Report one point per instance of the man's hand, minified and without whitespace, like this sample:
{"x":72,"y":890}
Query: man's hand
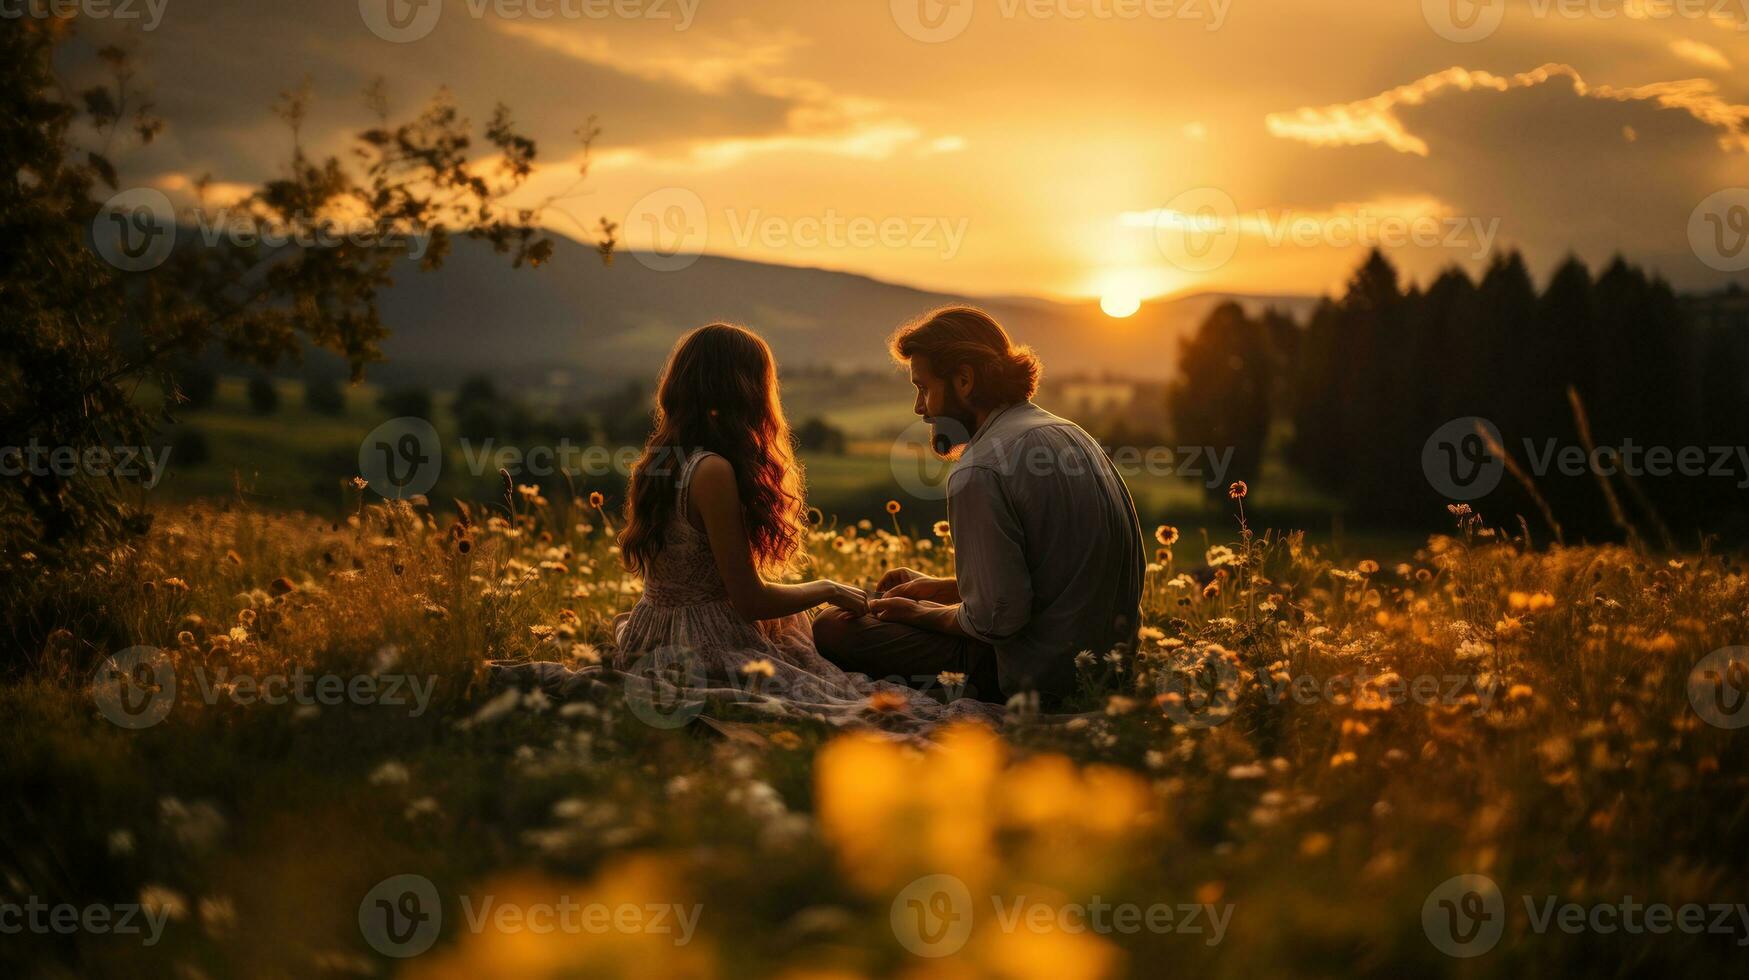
{"x":897,"y":577}
{"x":905,"y":583}
{"x":922,"y":614}
{"x":899,"y":609}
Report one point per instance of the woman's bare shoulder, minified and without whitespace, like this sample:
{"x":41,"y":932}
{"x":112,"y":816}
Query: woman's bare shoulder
{"x":713,"y":475}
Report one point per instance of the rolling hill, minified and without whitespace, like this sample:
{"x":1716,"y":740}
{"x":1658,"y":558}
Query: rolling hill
{"x":580,"y":319}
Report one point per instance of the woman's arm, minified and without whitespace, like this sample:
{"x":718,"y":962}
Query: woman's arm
{"x":717,"y":500}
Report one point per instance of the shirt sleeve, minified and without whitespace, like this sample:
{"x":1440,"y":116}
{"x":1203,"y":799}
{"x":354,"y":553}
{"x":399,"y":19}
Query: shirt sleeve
{"x":990,"y":557}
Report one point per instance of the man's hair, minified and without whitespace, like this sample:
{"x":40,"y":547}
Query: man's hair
{"x":953,"y":336}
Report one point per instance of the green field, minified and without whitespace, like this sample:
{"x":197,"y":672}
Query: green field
{"x":298,"y":459}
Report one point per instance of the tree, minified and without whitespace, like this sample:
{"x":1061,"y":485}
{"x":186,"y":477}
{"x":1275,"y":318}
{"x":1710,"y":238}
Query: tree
{"x":324,"y":396}
{"x":263,"y":396}
{"x":816,"y":435}
{"x":197,"y":385}
{"x":1222,"y":399}
{"x":85,"y":333}
{"x":478,"y":409}
{"x":409,"y":400}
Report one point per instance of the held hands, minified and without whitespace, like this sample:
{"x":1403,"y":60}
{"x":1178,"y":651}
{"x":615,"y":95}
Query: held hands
{"x":846,"y":597}
{"x":899,"y":609}
{"x":906,"y":583}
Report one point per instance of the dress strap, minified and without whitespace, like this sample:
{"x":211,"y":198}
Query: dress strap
{"x":683,"y":503}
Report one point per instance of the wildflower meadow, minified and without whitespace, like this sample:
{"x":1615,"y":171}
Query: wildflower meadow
{"x":1482,"y":755}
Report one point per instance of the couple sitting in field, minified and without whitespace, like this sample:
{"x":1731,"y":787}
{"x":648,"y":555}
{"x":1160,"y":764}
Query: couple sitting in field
{"x":1047,"y":550}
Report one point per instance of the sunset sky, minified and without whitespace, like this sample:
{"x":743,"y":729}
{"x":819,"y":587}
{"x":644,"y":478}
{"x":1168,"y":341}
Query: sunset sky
{"x":1030,"y":150}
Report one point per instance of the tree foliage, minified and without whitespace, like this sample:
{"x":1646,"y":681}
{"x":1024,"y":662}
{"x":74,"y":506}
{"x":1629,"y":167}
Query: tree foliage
{"x":299,"y":264}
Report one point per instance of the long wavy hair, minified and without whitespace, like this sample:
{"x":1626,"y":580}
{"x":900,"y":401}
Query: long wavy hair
{"x":718,"y":392}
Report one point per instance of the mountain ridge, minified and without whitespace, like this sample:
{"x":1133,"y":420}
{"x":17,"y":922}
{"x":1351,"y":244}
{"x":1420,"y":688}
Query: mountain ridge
{"x":595,"y":322}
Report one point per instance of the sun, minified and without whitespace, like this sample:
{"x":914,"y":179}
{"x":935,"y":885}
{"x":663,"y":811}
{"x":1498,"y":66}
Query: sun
{"x":1119,"y":305}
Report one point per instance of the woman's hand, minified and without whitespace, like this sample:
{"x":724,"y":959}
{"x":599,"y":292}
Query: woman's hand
{"x":846,"y":597}
{"x":897,"y":609}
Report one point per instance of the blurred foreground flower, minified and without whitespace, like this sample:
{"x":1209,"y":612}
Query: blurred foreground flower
{"x":627,"y":941}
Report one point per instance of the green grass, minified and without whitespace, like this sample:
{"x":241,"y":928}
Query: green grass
{"x":1568,"y":763}
{"x":295,"y":459}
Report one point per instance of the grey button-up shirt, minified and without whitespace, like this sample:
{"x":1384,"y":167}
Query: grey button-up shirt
{"x":1047,"y":548}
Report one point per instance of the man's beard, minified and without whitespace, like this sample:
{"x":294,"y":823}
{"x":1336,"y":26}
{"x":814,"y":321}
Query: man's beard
{"x":952,"y":429}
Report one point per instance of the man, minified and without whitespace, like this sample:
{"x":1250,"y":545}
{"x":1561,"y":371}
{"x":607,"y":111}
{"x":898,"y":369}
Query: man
{"x":1047,"y":548}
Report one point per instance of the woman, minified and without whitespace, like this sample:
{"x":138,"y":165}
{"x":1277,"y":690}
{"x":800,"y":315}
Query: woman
{"x":715,"y":505}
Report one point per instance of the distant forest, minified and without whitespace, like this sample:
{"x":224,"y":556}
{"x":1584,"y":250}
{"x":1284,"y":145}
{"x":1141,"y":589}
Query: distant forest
{"x":1607,"y":361}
